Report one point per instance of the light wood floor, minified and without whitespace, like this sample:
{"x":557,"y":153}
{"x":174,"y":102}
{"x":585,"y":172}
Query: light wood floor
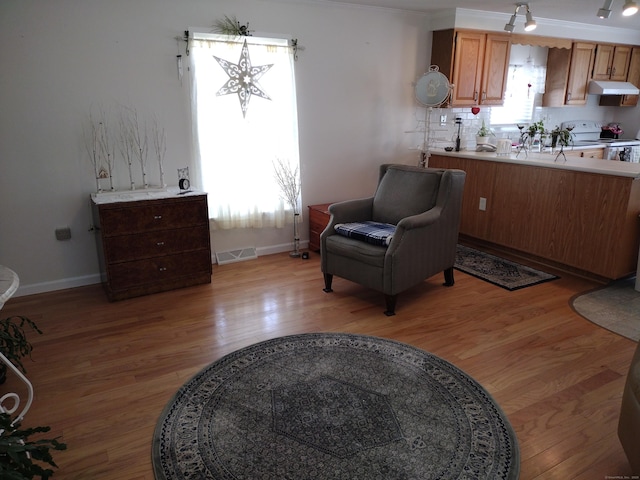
{"x":103,"y":371}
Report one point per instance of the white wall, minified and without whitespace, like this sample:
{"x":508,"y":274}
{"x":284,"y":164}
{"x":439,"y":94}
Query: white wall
{"x":62,"y":58}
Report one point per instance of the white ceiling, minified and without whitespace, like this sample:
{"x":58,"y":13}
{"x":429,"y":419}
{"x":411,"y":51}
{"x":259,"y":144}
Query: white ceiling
{"x":579,"y":11}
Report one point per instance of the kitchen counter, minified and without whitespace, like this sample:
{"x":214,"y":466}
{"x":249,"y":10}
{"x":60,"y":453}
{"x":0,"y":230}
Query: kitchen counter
{"x":575,"y":163}
{"x":580,"y":215}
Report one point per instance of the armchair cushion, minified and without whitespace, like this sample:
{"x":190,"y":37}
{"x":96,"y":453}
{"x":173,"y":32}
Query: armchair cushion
{"x":375,"y":233}
{"x":418,"y":193}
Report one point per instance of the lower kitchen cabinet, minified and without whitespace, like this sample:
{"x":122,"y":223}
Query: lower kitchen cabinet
{"x":152,"y":245}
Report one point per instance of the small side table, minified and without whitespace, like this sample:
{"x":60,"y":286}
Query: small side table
{"x":318,"y":220}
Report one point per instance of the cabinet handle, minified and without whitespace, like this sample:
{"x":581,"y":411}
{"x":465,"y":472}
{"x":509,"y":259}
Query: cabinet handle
{"x":484,"y":96}
{"x":613,"y":71}
{"x":568,"y":95}
{"x":475,"y":96}
{"x":159,"y":244}
{"x":157,"y":217}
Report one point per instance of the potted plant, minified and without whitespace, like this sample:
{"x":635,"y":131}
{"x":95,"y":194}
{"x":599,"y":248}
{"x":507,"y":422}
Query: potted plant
{"x":13,"y":342}
{"x":482,"y":136}
{"x":560,"y":137}
{"x":536,"y":132}
{"x":18,"y":455}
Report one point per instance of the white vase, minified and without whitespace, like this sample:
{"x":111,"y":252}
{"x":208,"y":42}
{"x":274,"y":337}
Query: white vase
{"x":481,"y":140}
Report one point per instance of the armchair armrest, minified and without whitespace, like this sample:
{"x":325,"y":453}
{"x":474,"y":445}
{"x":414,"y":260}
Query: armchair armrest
{"x":348,"y":211}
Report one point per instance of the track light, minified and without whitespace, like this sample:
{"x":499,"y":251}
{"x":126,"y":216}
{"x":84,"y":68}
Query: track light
{"x":605,"y":11}
{"x":511,"y":25}
{"x":530,"y":23}
{"x":629,"y":8}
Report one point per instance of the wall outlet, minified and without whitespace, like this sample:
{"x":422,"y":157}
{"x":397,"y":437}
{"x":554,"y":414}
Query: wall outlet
{"x":63,"y":233}
{"x":443,"y":120}
{"x":483,"y":204}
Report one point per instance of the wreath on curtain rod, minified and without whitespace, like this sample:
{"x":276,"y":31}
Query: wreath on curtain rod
{"x":231,"y":26}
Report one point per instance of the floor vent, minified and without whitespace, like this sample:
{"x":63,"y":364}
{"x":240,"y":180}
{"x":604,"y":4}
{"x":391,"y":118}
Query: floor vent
{"x":233,"y":256}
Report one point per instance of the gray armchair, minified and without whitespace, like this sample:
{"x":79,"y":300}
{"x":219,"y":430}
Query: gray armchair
{"x":425,"y":205}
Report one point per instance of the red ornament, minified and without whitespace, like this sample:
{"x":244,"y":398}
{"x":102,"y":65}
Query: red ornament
{"x":475,"y":110}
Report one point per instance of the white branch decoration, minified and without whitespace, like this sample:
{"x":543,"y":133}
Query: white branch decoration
{"x":138,"y":139}
{"x":288,"y":180}
{"x":160,"y":147}
{"x":125,"y":146}
{"x":132,"y":142}
{"x":100,"y":149}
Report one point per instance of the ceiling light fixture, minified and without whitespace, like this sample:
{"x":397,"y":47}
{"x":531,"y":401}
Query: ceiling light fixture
{"x":529,"y":25}
{"x":605,"y":11}
{"x":511,"y":25}
{"x":630,"y":7}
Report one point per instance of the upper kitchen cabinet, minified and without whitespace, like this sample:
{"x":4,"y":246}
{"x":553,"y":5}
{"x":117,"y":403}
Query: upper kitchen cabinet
{"x":612,"y":62}
{"x":475,"y":62}
{"x":633,"y":76}
{"x":568,"y":75}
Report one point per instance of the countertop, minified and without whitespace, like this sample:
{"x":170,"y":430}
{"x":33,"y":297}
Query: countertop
{"x":580,"y":164}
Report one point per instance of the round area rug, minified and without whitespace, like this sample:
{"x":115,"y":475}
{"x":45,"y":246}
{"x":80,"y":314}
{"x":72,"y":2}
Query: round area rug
{"x":333,"y":406}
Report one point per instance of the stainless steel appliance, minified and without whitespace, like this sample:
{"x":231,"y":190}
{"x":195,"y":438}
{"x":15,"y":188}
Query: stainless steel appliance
{"x":588,"y":132}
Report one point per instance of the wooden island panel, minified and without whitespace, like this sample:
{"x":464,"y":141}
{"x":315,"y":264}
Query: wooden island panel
{"x":583,"y":220}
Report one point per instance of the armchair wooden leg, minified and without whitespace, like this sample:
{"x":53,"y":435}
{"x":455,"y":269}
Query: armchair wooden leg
{"x":328,"y":278}
{"x":390,"y":301}
{"x":448,"y":277}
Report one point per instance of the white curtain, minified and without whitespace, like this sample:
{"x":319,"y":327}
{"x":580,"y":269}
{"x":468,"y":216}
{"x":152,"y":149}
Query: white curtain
{"x":235,"y":150}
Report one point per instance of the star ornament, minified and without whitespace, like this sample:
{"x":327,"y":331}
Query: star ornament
{"x":243,"y":79}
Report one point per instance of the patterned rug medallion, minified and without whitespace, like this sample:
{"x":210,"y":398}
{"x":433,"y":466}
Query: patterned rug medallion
{"x":499,"y":271}
{"x":333,"y":406}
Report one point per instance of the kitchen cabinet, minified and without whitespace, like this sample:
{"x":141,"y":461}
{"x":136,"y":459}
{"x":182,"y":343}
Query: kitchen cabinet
{"x":585,"y":222}
{"x":475,"y":62}
{"x":633,"y":76}
{"x":611,"y":62}
{"x":586,"y":153}
{"x":568,"y":75}
{"x":152,"y":245}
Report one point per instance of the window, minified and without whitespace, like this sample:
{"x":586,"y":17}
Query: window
{"x":523,"y":83}
{"x":243,"y":126}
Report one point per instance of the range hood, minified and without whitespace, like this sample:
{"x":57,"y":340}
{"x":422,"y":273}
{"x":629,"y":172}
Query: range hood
{"x":599,"y":87}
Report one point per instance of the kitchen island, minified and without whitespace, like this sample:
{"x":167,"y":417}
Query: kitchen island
{"x":580,"y":214}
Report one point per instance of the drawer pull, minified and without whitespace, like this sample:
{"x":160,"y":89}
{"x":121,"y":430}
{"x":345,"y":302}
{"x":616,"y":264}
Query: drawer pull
{"x":157,"y":217}
{"x":160,"y":244}
{"x":163,"y":269}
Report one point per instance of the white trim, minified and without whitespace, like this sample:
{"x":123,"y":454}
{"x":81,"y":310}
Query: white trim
{"x":61,"y":284}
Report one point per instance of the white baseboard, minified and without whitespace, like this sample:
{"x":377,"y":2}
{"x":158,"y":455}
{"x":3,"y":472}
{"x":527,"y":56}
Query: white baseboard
{"x":57,"y":285}
{"x":73,"y":282}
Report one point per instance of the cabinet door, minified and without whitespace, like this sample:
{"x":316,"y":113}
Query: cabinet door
{"x":620,"y":63}
{"x":555,"y":91}
{"x":603,"y":61}
{"x":582,"y":57}
{"x":496,"y":62}
{"x":467,"y":68}
{"x":633,"y":76}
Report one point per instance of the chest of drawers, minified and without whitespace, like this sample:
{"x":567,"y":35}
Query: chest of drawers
{"x":152,"y":245}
